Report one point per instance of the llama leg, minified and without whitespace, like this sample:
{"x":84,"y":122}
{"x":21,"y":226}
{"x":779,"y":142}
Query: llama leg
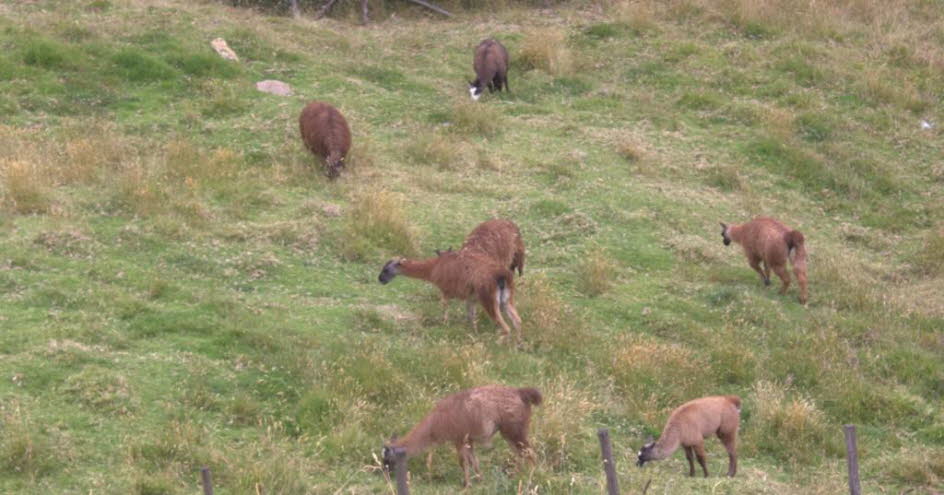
{"x":729,"y":444}
{"x":470,"y":312}
{"x":445,"y":306}
{"x":690,"y":455}
{"x":490,"y":303}
{"x":781,"y":272}
{"x":755,"y":264}
{"x":766,"y":274}
{"x":462,"y":451}
{"x":517,"y":436}
{"x":700,"y":455}
{"x":800,"y":273}
{"x":475,"y":461}
{"x":512,"y":313}
{"x":429,"y":461}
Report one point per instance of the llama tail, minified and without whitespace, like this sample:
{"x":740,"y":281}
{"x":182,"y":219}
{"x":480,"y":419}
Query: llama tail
{"x":504,"y":289}
{"x":797,"y":250}
{"x":518,"y":262}
{"x":531,"y":396}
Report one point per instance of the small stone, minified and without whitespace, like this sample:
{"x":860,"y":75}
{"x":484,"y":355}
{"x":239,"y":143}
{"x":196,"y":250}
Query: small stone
{"x":275,"y":87}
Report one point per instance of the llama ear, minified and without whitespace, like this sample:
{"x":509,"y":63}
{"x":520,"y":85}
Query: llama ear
{"x":723,"y":226}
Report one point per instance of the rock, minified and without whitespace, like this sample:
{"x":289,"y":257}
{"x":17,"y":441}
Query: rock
{"x":219,"y":44}
{"x":275,"y":87}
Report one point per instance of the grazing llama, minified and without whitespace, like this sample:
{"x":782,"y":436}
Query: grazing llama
{"x":491,"y":68}
{"x":690,"y":424}
{"x":464,"y":275}
{"x":773,"y":243}
{"x":326,"y":134}
{"x":499,"y":239}
{"x":471,"y":416}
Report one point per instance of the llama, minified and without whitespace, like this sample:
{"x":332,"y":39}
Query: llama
{"x":470,"y":416}
{"x":464,"y":275}
{"x":771,"y":242}
{"x":491,"y":68}
{"x":688,"y":426}
{"x":499,"y":239}
{"x":326,"y":134}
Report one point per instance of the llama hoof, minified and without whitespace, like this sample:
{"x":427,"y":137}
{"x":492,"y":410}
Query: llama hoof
{"x":766,"y":282}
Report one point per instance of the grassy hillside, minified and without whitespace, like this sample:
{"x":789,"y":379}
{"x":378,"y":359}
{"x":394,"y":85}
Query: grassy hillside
{"x":178,"y":290}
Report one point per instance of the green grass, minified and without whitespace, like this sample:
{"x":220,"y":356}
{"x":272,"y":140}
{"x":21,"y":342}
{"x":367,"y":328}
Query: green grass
{"x":180,"y":285}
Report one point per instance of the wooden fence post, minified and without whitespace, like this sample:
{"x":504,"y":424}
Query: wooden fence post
{"x":399,"y":456}
{"x":852,"y":459}
{"x":207,"y":482}
{"x":612,"y":487}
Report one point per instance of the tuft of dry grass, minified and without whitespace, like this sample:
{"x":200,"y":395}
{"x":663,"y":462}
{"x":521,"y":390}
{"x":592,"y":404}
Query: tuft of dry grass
{"x":433,"y":149}
{"x":560,"y":426}
{"x":791,"y":429}
{"x":25,"y":187}
{"x":378,"y":221}
{"x":930,"y":257}
{"x":639,"y":16}
{"x":596,"y":273}
{"x":653,"y":373}
{"x":546,"y":49}
{"x":475,"y":118}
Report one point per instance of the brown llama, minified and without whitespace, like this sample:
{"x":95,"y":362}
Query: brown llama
{"x":470,"y":416}
{"x":690,"y":424}
{"x":491,"y":68}
{"x":499,"y":239}
{"x":326,"y":134}
{"x":464,"y":275}
{"x":773,"y":243}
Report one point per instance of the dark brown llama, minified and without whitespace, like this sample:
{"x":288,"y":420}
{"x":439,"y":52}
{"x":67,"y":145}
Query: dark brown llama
{"x":690,"y":424}
{"x":471,"y":416}
{"x":464,"y":275}
{"x":773,"y":243}
{"x":499,"y":239}
{"x":491,"y":68}
{"x":326,"y":134}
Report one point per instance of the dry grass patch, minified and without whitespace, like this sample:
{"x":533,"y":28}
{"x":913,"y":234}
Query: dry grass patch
{"x":654,"y":373}
{"x":433,"y":150}
{"x":931,"y":256}
{"x":469,"y":117}
{"x":596,"y":273}
{"x":378,"y":221}
{"x":546,"y":49}
{"x":560,"y":426}
{"x":792,"y":429}
{"x":25,"y":187}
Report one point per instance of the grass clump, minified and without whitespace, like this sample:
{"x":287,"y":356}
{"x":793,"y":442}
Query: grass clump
{"x":433,"y":150}
{"x":596,"y":273}
{"x":471,"y":118}
{"x":138,"y":66}
{"x":378,"y":222}
{"x":546,"y":49}
{"x":25,"y":187}
{"x":793,"y":430}
{"x":931,"y":256}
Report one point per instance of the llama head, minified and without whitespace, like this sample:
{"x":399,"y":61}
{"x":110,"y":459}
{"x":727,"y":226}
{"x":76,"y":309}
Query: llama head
{"x":475,"y":89}
{"x":647,"y":453}
{"x":724,"y":234}
{"x":335,"y":163}
{"x":389,"y":458}
{"x":390,"y":270}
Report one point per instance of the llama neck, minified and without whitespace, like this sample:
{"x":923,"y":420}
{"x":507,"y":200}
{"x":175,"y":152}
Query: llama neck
{"x":736,"y":233}
{"x":421,"y":269}
{"x":668,"y":442}
{"x":416,"y":441}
